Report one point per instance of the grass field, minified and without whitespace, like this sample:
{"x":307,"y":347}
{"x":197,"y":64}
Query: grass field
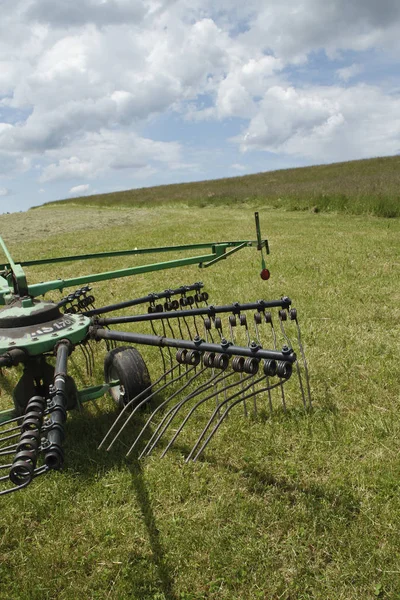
{"x":356,"y":187}
{"x":293,"y":506}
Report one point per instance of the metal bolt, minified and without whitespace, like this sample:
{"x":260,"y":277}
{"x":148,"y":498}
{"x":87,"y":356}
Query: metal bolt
{"x":197,"y":340}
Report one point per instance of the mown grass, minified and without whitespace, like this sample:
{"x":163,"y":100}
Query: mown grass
{"x":357,"y":187}
{"x":297,"y":506}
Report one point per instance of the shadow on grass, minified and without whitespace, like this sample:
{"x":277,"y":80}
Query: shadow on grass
{"x":84,"y":433}
{"x":143,"y":498}
{"x":86,"y":430}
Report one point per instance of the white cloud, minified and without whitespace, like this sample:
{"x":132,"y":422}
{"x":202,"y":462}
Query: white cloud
{"x":79,"y":190}
{"x":98,"y":152}
{"x":5,"y":192}
{"x":346,"y":73}
{"x":325,"y":123}
{"x":81,"y":80}
{"x":66,"y":13}
{"x":239,"y":167}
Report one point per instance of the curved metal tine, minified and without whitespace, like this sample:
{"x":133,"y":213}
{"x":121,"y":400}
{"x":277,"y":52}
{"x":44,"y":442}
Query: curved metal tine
{"x":129,"y":404}
{"x":231,"y":332}
{"x":219,"y":331}
{"x":246,"y":414}
{"x":217,"y":425}
{"x":275,"y":347}
{"x":247,"y":336}
{"x":173,"y":335}
{"x":188,"y":382}
{"x":6,"y":466}
{"x":195,"y":325}
{"x":297,"y":364}
{"x":179,"y":327}
{"x":17,"y":427}
{"x":10,"y":437}
{"x":192,"y":411}
{"x":176,"y":408}
{"x":285,"y":335}
{"x":187,"y":326}
{"x":258,"y":337}
{"x":146,"y":400}
{"x":301,"y":348}
{"x":247,"y":332}
{"x":91,"y":358}
{"x":240,"y":392}
{"x":9,"y":450}
{"x":188,"y":330}
{"x":81,"y":346}
{"x":143,"y":402}
{"x":171,"y":362}
{"x":36,"y":473}
{"x":12,"y":420}
{"x":161,"y":351}
{"x":15,"y":488}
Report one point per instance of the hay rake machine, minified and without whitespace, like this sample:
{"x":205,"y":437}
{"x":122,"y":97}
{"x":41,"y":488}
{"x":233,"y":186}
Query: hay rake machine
{"x":214,"y":358}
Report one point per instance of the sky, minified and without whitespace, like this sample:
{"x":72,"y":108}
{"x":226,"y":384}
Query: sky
{"x":105,"y":95}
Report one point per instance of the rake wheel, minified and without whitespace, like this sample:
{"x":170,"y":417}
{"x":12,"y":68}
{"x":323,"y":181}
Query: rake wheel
{"x":127,"y":365}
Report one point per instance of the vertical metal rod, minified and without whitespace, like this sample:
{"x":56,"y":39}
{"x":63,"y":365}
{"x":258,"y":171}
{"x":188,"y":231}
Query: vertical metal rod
{"x":185,"y":420}
{"x":275,"y":347}
{"x":172,"y":412}
{"x":221,"y":419}
{"x":304,"y":362}
{"x":258,"y":337}
{"x":202,"y":434}
{"x":297,"y":364}
{"x":139,"y":405}
{"x":189,"y":381}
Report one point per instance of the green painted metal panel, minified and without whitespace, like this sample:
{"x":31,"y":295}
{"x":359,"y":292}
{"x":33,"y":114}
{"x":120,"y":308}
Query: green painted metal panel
{"x":38,"y":289}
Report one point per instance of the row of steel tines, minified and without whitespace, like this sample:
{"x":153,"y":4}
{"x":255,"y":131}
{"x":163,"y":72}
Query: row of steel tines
{"x":78,"y":301}
{"x":185,"y":301}
{"x":240,"y":364}
{"x":260,"y":317}
{"x":255,"y":377}
{"x":247,"y":367}
{"x":195,"y":392}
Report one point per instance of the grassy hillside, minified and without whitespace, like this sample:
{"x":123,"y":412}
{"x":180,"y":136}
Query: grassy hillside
{"x":357,"y":187}
{"x":289,"y":506}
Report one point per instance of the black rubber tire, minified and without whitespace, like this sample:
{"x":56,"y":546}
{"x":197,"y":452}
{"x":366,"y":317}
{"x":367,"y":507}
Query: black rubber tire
{"x":127,"y":365}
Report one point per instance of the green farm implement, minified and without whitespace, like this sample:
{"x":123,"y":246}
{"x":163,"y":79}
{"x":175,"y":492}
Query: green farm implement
{"x":213,"y":357}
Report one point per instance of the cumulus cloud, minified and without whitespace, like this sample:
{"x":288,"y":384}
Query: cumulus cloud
{"x":81,"y":80}
{"x":65,"y":13}
{"x":79,"y":190}
{"x":346,"y":73}
{"x":99,"y":152}
{"x":330,"y":123}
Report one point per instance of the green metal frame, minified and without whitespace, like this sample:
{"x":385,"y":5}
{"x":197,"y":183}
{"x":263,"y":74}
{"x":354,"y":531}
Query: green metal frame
{"x":13,"y":283}
{"x":13,"y":279}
